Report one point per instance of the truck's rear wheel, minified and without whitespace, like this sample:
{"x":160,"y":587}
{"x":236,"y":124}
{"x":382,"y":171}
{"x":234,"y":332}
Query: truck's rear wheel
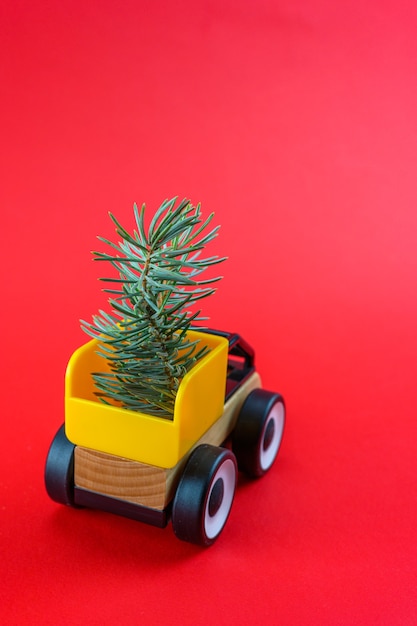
{"x":258,"y":432}
{"x":204,"y":495}
{"x":59,"y":469}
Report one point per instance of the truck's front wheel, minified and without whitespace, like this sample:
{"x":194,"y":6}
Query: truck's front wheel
{"x":258,"y":432}
{"x":205,"y":495}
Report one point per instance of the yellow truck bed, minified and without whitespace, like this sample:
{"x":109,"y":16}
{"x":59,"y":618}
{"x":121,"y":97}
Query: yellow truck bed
{"x":137,"y":436}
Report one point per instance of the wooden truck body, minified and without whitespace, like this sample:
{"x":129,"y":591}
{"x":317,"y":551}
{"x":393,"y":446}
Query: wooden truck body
{"x":151,"y":468}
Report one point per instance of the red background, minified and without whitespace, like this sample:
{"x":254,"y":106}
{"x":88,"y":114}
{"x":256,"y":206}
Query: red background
{"x":295,"y":121}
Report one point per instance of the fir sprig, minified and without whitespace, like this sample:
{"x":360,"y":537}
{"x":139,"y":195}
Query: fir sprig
{"x":144,"y":337}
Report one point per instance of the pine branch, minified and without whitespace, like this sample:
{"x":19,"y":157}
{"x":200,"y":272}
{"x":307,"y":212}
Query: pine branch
{"x":144,"y":337}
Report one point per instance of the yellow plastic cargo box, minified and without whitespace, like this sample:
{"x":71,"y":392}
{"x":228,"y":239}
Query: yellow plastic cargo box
{"x":137,"y":436}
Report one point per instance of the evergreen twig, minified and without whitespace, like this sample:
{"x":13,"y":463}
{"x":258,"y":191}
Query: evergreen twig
{"x":144,"y":338}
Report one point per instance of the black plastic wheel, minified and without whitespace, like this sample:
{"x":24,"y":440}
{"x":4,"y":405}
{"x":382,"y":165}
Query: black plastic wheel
{"x":204,"y":495}
{"x":258,"y":432}
{"x":59,"y":469}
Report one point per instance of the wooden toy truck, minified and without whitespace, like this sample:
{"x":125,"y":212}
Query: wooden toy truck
{"x":152,"y":469}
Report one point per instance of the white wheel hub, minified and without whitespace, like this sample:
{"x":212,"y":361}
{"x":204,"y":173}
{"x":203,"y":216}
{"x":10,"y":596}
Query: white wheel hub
{"x":271,"y":436}
{"x":220,"y":498}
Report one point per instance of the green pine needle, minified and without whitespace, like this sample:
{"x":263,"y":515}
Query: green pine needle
{"x":144,"y":337}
